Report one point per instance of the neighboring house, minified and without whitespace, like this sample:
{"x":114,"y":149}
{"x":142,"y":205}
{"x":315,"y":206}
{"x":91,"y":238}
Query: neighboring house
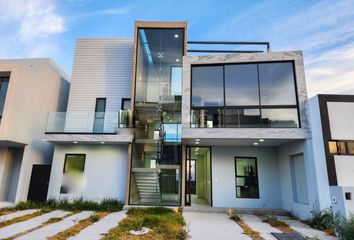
{"x":332,"y":118}
{"x":29,"y":88}
{"x":236,"y":135}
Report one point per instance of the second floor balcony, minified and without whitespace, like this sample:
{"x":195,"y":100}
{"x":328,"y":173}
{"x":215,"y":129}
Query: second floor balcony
{"x":88,"y":122}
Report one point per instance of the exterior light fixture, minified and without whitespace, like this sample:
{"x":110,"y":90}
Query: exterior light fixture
{"x":197,"y":148}
{"x":176,"y":36}
{"x":102,"y":142}
{"x":256,"y":143}
{"x":177,"y":60}
{"x":197,"y":139}
{"x":196,"y":142}
{"x":75,"y":142}
{"x":261,"y":140}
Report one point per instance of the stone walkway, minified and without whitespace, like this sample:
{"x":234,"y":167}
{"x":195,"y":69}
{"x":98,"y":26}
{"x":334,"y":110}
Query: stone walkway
{"x":17,"y":214}
{"x":204,"y":226}
{"x":96,"y":230}
{"x":55,"y":228}
{"x":256,"y":224}
{"x":305,"y":230}
{"x":20,"y":227}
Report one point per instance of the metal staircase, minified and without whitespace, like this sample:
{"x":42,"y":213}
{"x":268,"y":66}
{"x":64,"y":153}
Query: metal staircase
{"x":148,"y":184}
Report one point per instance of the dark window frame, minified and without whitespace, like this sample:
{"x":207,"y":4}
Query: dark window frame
{"x":259,"y":106}
{"x":122,"y":103}
{"x":74,"y":154}
{"x":236,"y":176}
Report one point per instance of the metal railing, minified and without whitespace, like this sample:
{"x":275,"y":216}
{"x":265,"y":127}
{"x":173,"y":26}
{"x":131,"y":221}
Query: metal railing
{"x":88,"y":122}
{"x":228,"y":43}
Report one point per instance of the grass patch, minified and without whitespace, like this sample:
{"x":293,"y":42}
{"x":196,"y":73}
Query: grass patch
{"x":106,"y":205}
{"x":79,"y":226}
{"x":22,"y":218}
{"x":274,"y":222}
{"x":53,"y":220}
{"x":246,"y":229}
{"x":165,"y":223}
{"x":7,"y":210}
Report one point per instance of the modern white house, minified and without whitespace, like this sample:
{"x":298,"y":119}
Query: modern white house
{"x":332,"y":118}
{"x":29,"y":88}
{"x":160,"y":120}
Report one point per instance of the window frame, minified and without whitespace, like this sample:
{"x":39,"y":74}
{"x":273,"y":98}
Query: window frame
{"x":259,"y":106}
{"x":122,"y":103}
{"x":236,"y":176}
{"x":74,"y":154}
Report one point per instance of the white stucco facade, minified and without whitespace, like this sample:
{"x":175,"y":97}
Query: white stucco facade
{"x":105,"y":171}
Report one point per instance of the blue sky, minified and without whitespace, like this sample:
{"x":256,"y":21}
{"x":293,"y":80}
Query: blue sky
{"x":324,"y":30}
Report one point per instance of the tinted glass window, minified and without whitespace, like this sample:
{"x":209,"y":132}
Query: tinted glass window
{"x":280,"y":118}
{"x":246,"y":178}
{"x":277,"y":84}
{"x":176,"y":81}
{"x":74,"y":162}
{"x":207,"y":118}
{"x":207,"y":86}
{"x":242,"y":118}
{"x":241,"y":85}
{"x":3,"y":90}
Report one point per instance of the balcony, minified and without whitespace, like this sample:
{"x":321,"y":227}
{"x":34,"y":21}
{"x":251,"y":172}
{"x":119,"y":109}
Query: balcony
{"x":88,"y":122}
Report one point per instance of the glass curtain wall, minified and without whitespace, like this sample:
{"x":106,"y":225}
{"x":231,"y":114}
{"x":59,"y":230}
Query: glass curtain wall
{"x":156,"y":152}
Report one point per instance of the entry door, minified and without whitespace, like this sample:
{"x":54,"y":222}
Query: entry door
{"x":38,"y":188}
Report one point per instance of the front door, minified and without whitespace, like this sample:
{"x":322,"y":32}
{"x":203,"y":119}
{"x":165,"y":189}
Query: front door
{"x":38,"y":188}
{"x":198,"y":177}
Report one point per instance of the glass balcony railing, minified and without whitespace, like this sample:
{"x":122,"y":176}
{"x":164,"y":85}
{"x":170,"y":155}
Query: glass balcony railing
{"x":88,"y":122}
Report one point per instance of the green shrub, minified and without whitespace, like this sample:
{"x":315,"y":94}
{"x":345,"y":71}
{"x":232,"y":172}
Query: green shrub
{"x":322,"y":220}
{"x":109,"y":205}
{"x":344,"y":226}
{"x":235,"y":217}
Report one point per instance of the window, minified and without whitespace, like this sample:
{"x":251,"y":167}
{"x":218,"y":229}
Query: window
{"x":277,"y":84}
{"x":4,"y":84}
{"x":125,"y":104}
{"x":176,"y":81}
{"x":246,"y":177}
{"x":207,"y":86}
{"x":298,"y":179}
{"x":74,"y":162}
{"x":341,"y":147}
{"x":241,"y":85}
{"x":242,"y":118}
{"x":280,"y":118}
{"x":244,"y":95}
{"x":99,"y":115}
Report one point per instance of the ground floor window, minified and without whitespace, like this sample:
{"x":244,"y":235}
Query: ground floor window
{"x":74,"y":162}
{"x":298,"y":179}
{"x":246,"y":177}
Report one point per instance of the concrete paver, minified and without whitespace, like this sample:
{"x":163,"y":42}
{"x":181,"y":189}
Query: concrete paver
{"x":97,"y":229}
{"x":19,"y":227}
{"x":205,"y":226}
{"x":54,"y":228}
{"x":17,"y":214}
{"x":305,"y":230}
{"x":256,"y":224}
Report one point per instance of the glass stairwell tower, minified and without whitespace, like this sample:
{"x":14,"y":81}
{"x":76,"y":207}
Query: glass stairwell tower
{"x":156,"y":153}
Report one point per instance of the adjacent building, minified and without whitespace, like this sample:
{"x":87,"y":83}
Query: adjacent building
{"x":332,"y":118}
{"x":29,"y":88}
{"x":161,"y":120}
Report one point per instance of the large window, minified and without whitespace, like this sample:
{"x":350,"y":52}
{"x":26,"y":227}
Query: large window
{"x":4,"y":84}
{"x":99,"y":115}
{"x":246,"y":177}
{"x":244,"y":96}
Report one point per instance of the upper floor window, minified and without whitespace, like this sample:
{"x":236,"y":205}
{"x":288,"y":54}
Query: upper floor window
{"x":4,"y":84}
{"x":244,"y":95}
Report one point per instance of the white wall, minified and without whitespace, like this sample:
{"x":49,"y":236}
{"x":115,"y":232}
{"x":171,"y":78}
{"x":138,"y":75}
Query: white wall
{"x":341,"y":119}
{"x":105,"y":171}
{"x":102,"y":69}
{"x":284,"y":153}
{"x":36,"y":87}
{"x":345,"y":170}
{"x":319,"y":156}
{"x":223,"y":177}
{"x":339,"y":203}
